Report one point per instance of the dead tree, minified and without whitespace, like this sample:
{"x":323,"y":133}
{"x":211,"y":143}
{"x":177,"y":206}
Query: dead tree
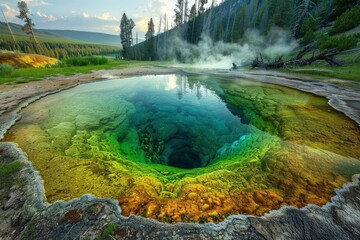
{"x":303,"y":11}
{"x":28,"y":27}
{"x":327,"y":55}
{"x":10,"y":30}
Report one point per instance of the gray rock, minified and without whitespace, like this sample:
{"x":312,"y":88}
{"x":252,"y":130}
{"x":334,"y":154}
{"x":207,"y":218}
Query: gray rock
{"x":15,"y":199}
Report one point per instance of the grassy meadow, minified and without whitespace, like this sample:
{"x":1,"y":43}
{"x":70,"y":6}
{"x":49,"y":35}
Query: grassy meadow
{"x":22,"y":75}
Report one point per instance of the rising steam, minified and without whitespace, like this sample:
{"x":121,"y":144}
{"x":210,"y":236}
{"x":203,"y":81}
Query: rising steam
{"x":209,"y":54}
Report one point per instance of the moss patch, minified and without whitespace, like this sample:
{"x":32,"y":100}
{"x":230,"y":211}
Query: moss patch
{"x":7,"y":173}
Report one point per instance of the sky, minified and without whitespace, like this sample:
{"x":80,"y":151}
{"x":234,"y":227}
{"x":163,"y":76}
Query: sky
{"x":92,"y":15}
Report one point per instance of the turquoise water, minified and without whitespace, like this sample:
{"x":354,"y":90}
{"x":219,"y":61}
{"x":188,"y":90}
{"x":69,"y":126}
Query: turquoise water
{"x":180,"y":125}
{"x":155,"y":119}
{"x":189,"y":148}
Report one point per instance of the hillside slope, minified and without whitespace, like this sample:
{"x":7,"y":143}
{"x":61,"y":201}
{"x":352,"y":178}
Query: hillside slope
{"x":318,"y":24}
{"x":67,"y":36}
{"x":20,"y":35}
{"x":57,"y":45}
{"x":100,"y":38}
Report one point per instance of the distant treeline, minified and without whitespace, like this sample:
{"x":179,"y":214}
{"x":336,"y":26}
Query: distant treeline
{"x":58,"y":49}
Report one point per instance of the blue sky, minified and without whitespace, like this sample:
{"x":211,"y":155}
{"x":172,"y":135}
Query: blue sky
{"x":91,"y":15}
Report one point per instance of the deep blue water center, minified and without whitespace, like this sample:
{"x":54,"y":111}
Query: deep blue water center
{"x":179,"y":123}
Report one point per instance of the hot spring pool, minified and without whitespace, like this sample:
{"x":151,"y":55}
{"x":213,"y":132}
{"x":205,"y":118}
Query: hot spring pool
{"x":189,"y":148}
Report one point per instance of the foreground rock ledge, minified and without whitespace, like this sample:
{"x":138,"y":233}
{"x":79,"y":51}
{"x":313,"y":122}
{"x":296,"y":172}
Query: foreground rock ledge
{"x":89,"y":217}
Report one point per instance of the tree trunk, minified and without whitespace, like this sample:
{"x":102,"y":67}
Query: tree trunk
{"x":37,"y":44}
{"x":327,"y":55}
{"x":300,"y":22}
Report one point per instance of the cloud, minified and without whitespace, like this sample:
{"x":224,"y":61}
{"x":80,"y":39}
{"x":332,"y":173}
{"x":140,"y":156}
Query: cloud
{"x":141,"y":23}
{"x":107,"y":17}
{"x":154,"y":9}
{"x":164,"y":6}
{"x":85,"y":22}
{"x":46,"y":17}
{"x":9,"y":12}
{"x":85,"y":15}
{"x":115,"y":28}
{"x":104,"y":16}
{"x":36,"y":2}
{"x":80,"y":23}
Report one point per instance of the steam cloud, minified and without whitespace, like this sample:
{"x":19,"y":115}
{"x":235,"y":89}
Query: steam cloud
{"x":209,"y":54}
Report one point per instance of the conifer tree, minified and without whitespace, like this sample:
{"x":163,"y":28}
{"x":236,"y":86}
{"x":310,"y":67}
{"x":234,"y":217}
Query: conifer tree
{"x":219,"y":33}
{"x":192,"y":14}
{"x":149,"y":43}
{"x":126,"y":27}
{"x":186,"y":11}
{"x":28,"y":27}
{"x":179,"y":12}
{"x":151,"y":30}
{"x":202,"y":6}
{"x":303,"y":11}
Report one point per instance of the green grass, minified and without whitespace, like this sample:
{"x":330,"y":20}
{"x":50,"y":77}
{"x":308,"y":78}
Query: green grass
{"x":7,"y":172}
{"x":30,"y":229}
{"x":341,"y":42}
{"x":348,"y":20}
{"x":322,"y":71}
{"x":23,"y":75}
{"x":348,"y":72}
{"x":108,"y":230}
{"x":5,"y":69}
{"x":84,"y":61}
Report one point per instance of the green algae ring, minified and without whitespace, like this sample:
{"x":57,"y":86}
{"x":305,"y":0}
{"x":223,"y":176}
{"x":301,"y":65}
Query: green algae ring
{"x":189,"y":148}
